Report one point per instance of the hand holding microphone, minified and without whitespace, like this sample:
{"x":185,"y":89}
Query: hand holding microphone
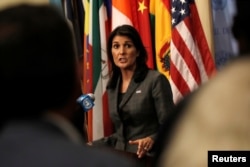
{"x":86,"y":101}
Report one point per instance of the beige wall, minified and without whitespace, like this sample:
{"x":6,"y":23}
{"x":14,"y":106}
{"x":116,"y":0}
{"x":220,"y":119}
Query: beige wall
{"x":5,"y":3}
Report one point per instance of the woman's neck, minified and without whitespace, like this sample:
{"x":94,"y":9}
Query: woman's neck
{"x":127,"y":74}
{"x":126,"y":78}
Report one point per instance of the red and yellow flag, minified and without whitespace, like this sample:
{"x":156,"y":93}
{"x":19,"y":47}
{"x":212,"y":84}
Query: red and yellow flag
{"x":161,"y":21}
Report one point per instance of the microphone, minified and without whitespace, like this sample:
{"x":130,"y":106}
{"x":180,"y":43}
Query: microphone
{"x":86,"y":101}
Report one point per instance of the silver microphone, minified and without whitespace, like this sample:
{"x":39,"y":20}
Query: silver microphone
{"x":92,"y":96}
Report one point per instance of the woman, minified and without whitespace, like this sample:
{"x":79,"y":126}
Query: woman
{"x":139,"y":98}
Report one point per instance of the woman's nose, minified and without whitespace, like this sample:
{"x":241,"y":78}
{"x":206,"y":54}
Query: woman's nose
{"x":121,"y":50}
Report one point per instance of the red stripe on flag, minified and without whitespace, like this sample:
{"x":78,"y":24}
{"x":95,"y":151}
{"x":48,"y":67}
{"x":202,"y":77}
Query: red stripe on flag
{"x":178,"y":79}
{"x":191,"y":60}
{"x":88,"y":84}
{"x":164,"y":49}
{"x":202,"y":44}
{"x":184,"y":51}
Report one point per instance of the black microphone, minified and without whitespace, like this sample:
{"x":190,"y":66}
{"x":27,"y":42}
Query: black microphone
{"x":86,"y":101}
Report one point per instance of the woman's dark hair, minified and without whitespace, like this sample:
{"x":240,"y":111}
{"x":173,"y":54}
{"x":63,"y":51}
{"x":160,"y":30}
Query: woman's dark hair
{"x":141,"y":60}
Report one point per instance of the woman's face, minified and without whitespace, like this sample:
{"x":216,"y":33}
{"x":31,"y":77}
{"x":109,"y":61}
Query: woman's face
{"x":124,"y":52}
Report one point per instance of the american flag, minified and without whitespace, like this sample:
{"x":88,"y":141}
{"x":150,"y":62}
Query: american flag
{"x":191,"y":62}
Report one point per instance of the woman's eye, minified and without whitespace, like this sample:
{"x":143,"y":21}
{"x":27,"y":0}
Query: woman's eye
{"x":127,"y":45}
{"x":115,"y":46}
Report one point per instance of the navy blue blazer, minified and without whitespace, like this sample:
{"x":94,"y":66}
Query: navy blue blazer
{"x":42,"y":144}
{"x":142,"y":110}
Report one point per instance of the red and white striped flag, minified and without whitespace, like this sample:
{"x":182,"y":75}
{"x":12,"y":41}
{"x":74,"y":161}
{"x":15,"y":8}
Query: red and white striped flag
{"x":191,"y":61}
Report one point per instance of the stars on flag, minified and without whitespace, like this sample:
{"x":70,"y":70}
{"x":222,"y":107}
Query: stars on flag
{"x":142,"y":6}
{"x":180,"y":9}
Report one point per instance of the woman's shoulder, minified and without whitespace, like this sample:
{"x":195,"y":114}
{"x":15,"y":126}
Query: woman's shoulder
{"x":154,"y":73}
{"x":149,"y":74}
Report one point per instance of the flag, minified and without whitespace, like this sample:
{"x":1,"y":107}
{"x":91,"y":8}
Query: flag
{"x":160,"y":11}
{"x":74,"y":13}
{"x":191,"y":61}
{"x":96,"y":67}
{"x":204,"y":8}
{"x":135,"y":13}
{"x":87,"y":83}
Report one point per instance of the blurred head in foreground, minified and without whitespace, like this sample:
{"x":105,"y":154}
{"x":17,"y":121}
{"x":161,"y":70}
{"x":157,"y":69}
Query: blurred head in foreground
{"x":40,"y":83}
{"x":38,"y":62}
{"x":215,"y":117}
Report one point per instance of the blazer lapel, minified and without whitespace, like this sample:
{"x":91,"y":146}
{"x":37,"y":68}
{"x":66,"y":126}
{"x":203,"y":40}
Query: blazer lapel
{"x":130,"y":91}
{"x":113,"y":96}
